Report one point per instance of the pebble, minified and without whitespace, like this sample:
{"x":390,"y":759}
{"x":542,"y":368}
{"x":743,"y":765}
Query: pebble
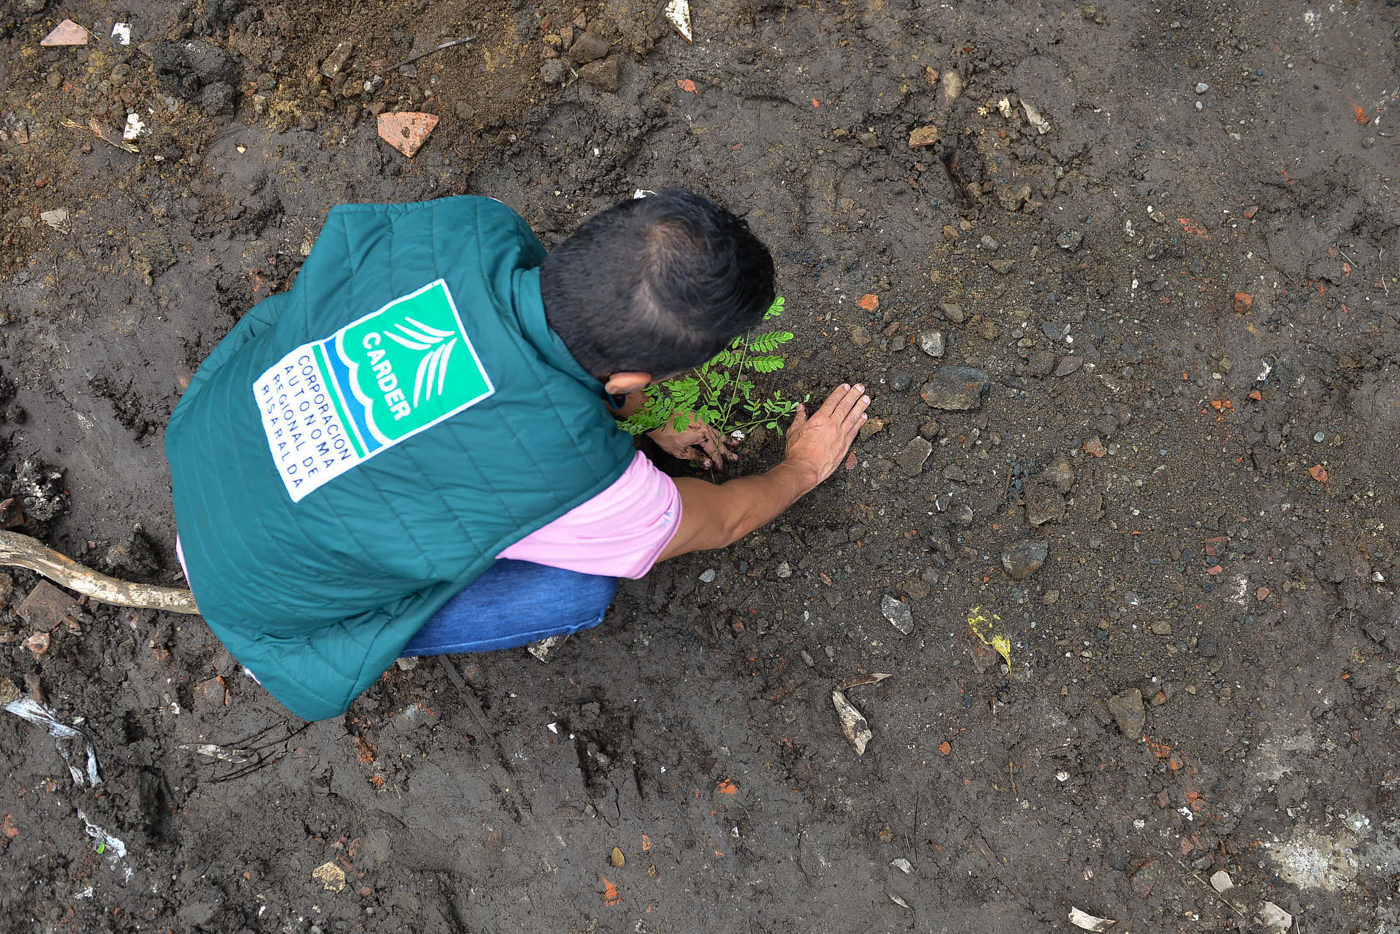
{"x":902,"y":864}
{"x":1202,"y":87}
{"x":911,"y":459}
{"x":929,"y":429}
{"x":931,"y":343}
{"x":1002,"y":266}
{"x":783,"y":570}
{"x":1221,"y":881}
{"x":708,"y":575}
{"x":859,"y":335}
{"x":1128,"y":711}
{"x":587,"y":48}
{"x":872,"y":427}
{"x":1161,"y":627}
{"x":603,"y":75}
{"x":956,"y":388}
{"x":900,"y":380}
{"x":952,"y":311}
{"x":1024,"y":558}
{"x":898,"y":613}
{"x":1319,"y":437}
{"x":963,"y":515}
{"x":554,"y":71}
{"x":989,"y":243}
{"x":1068,"y":365}
{"x":1061,"y":474}
{"x":1070,"y":240}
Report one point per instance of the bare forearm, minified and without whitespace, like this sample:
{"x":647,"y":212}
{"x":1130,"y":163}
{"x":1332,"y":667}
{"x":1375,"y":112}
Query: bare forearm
{"x":755,"y":501}
{"x":717,"y":516}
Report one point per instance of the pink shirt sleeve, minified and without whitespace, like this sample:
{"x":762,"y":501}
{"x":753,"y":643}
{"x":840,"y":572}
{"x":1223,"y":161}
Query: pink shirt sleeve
{"x":618,"y":533}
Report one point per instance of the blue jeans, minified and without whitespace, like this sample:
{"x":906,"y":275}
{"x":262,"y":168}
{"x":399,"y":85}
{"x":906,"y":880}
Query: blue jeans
{"x":515,"y":603}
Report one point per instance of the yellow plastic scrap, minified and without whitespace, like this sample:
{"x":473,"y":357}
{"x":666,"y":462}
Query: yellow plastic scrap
{"x":988,"y":629}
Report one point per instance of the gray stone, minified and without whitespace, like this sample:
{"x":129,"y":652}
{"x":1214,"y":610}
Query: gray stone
{"x":956,"y":388}
{"x":859,"y":335}
{"x":1068,"y":365}
{"x":1127,"y":709}
{"x":602,"y":75}
{"x":900,"y":380}
{"x":1060,"y":474}
{"x":1041,"y":363}
{"x":1024,"y":558}
{"x":554,"y":71}
{"x":931,"y":343}
{"x":217,"y":99}
{"x":335,"y":61}
{"x":587,"y":48}
{"x":1043,"y":503}
{"x":911,"y":459}
{"x":1002,"y":266}
{"x":1070,"y":240}
{"x":989,"y":243}
{"x":784,"y":570}
{"x":952,"y":311}
{"x":898,"y":613}
{"x":707,"y":575}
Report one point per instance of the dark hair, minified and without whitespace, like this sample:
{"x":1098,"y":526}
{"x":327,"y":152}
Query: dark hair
{"x":656,"y":285}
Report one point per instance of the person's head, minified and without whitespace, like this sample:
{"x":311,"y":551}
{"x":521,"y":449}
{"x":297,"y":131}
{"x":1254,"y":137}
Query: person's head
{"x":654,"y":286}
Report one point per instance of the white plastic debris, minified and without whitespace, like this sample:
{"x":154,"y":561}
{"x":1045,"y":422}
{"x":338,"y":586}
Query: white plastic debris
{"x":903,"y":865}
{"x":121,"y":33}
{"x":236,"y":756}
{"x":134,"y":127}
{"x":642,"y":193}
{"x":678,"y":15}
{"x":58,"y":220}
{"x":1088,"y":922}
{"x":853,"y":723}
{"x":1275,"y":918}
{"x":105,"y":844}
{"x":69,"y":739}
{"x":899,"y":901}
{"x":542,"y":648}
{"x":1033,"y":117}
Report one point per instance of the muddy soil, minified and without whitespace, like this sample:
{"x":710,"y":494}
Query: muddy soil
{"x":1167,"y":236}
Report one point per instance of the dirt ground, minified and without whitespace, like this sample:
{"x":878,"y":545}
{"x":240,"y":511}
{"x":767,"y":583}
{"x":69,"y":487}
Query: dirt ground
{"x":1168,"y":235}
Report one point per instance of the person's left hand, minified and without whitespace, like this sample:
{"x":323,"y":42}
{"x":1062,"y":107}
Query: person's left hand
{"x":697,"y":442}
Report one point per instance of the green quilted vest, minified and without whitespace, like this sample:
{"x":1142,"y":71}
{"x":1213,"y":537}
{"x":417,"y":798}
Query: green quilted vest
{"x":360,"y":448}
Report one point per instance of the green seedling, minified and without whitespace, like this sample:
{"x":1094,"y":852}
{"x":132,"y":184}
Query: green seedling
{"x":721,"y":393}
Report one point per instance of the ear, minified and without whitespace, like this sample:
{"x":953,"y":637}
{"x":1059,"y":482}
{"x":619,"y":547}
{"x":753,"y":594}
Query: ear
{"x":622,"y":384}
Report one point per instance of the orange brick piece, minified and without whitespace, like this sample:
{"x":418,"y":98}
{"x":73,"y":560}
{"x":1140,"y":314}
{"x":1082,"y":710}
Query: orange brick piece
{"x":406,"y":131}
{"x":66,"y":33}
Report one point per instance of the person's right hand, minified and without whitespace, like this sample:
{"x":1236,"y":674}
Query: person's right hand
{"x":817,"y":444}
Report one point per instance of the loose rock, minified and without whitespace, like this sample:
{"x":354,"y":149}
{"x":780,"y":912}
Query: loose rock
{"x":898,"y":613}
{"x":956,"y":388}
{"x":554,"y":71}
{"x":1024,"y":559}
{"x":1128,"y":711}
{"x":587,"y":48}
{"x":911,"y":459}
{"x":1043,"y":504}
{"x":603,"y":75}
{"x":931,"y":343}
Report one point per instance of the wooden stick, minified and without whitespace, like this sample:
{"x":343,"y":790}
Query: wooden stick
{"x":22,"y":551}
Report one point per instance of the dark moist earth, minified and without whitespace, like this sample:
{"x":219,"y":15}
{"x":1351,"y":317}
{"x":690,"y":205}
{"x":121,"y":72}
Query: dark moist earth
{"x":1167,"y":237}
